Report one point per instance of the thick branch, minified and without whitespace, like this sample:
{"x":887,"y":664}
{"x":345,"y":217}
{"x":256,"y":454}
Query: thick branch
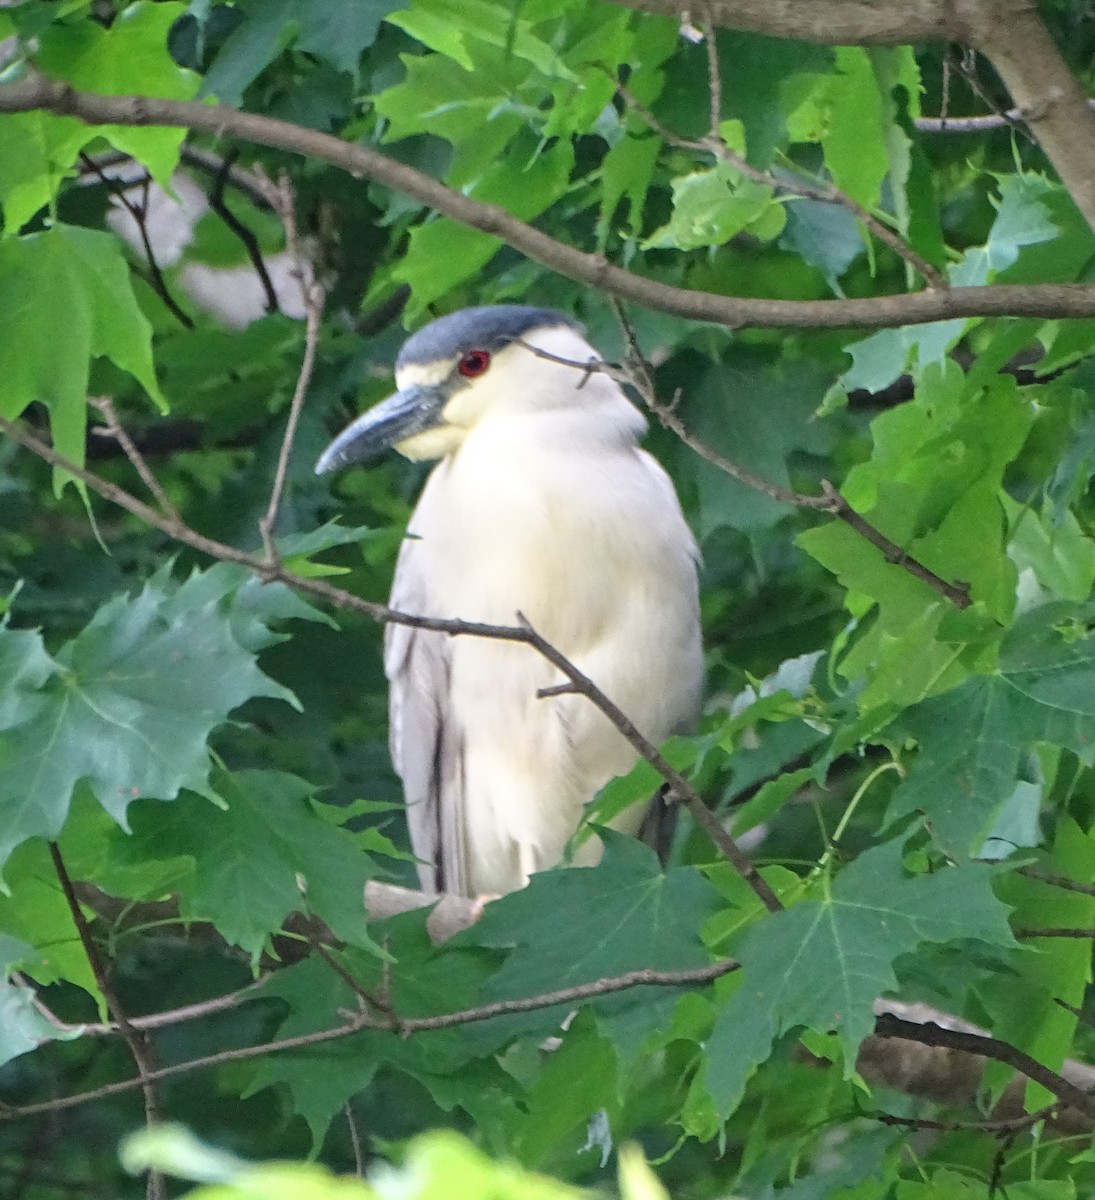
{"x":1046,"y":301}
{"x":831,"y":22}
{"x":1010,"y":33}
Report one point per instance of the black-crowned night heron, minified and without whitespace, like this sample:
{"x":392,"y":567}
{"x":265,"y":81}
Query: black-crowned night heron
{"x":542,"y":503}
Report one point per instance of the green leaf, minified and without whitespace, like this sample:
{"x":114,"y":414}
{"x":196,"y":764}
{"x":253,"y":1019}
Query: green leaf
{"x":262,"y":856}
{"x":1023,"y":219}
{"x":855,"y":127}
{"x":36,"y":911}
{"x":439,"y":97}
{"x":578,"y":1080}
{"x":128,"y":57}
{"x":335,"y":30}
{"x":823,"y":963}
{"x":129,"y":703}
{"x":1052,"y":970}
{"x":825,"y":235}
{"x":626,"y":914}
{"x":761,"y":81}
{"x":711,"y":206}
{"x":1058,"y":552}
{"x":933,"y":486}
{"x":420,"y":981}
{"x":447,"y":25}
{"x":626,"y":174}
{"x":78,"y":279}
{"x":22,"y":1027}
{"x":443,"y":253}
{"x":972,"y":738}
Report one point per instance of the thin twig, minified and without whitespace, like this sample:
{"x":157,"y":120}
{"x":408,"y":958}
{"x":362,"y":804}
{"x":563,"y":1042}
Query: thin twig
{"x":993,"y":1125}
{"x":139,"y":215}
{"x":355,"y":1140}
{"x":281,"y":197}
{"x":1054,"y":932}
{"x":219,"y":205}
{"x":116,"y":430}
{"x":134,"y":1039}
{"x":1058,"y":881}
{"x":1081,"y":1016}
{"x":965,"y":62}
{"x":406,"y":1027}
{"x":274,"y":571}
{"x":160,"y":1020}
{"x":368,"y":1000}
{"x":714,"y":74}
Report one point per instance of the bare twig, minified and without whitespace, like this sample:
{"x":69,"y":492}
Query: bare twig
{"x":1033,"y":300}
{"x":979,"y":124}
{"x":992,"y":1125}
{"x":139,"y":215}
{"x":1053,"y":932}
{"x":1050,"y":100}
{"x":281,"y":197}
{"x":134,"y":1038}
{"x":355,"y":1140}
{"x":1058,"y":881}
{"x":253,"y":186}
{"x":246,"y":236}
{"x":406,"y":1027}
{"x":161,"y":1020}
{"x":714,"y":74}
{"x":116,"y":430}
{"x":957,"y":593}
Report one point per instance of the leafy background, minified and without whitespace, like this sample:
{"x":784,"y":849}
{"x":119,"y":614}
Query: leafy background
{"x":205,"y":753}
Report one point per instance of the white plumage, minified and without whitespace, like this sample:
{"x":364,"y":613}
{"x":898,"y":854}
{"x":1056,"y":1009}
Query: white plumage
{"x":542,"y":504}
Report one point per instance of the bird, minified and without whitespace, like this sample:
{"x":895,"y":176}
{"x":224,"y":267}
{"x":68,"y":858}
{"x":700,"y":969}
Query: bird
{"x":541,"y":504}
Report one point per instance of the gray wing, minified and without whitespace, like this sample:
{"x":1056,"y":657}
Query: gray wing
{"x":425,"y":738}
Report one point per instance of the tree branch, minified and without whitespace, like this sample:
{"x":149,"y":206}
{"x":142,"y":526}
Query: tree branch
{"x":1048,"y":301}
{"x":930,"y":1034}
{"x":114,"y":429}
{"x":134,"y":1038}
{"x":830,"y":22}
{"x":404,"y":1026}
{"x":1048,"y":97}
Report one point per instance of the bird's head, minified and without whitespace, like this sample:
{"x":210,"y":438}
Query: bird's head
{"x":455,"y":370}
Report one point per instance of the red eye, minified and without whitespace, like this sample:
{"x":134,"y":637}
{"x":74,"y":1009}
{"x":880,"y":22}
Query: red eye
{"x":474,"y":363}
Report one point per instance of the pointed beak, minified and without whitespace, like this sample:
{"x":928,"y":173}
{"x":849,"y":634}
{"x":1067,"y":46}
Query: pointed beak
{"x":411,"y":411}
